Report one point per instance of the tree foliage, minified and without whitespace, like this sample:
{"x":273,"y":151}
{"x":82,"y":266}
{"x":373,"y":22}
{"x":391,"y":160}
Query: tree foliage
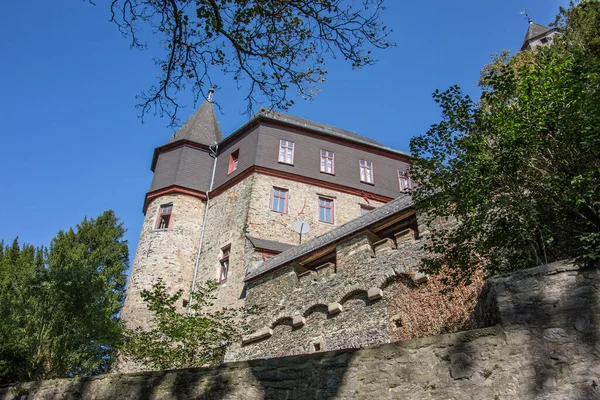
{"x":520,"y":169}
{"x":270,"y":47}
{"x":58,"y":307}
{"x":183,"y":340}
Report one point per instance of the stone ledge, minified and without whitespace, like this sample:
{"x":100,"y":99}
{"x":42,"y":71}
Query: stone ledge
{"x":334,"y":308}
{"x":264,"y":333}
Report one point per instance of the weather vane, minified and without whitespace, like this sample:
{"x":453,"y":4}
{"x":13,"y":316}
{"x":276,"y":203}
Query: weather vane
{"x":526,"y":14}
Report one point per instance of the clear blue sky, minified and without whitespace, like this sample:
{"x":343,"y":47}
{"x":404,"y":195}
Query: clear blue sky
{"x":73,"y":145}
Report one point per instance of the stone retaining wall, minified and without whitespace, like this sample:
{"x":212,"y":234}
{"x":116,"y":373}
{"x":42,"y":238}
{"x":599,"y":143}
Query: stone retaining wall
{"x":545,"y":346}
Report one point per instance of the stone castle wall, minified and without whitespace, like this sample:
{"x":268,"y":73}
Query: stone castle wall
{"x":546,"y":345}
{"x":169,"y":254}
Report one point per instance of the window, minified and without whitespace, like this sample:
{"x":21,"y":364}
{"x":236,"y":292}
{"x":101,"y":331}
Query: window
{"x":366,"y":171}
{"x":224,"y":261}
{"x":164,"y":216}
{"x":233,"y":161}
{"x":403,"y":180}
{"x":279,"y":201}
{"x":326,"y":210}
{"x":286,"y":151}
{"x":365,"y":209}
{"x":327,"y":165}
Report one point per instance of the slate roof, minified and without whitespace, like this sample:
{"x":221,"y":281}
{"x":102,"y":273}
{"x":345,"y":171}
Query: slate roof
{"x":395,"y":206}
{"x":534,"y":31}
{"x":202,"y":127}
{"x":269,"y":244}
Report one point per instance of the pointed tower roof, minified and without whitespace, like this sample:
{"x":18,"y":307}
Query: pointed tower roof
{"x":202,"y":127}
{"x":533,"y":32}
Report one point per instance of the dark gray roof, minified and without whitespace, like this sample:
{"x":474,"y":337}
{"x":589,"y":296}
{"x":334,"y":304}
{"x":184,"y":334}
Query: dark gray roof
{"x":201,"y":127}
{"x":319,"y":127}
{"x":534,"y":31}
{"x":269,"y":244}
{"x":395,"y":206}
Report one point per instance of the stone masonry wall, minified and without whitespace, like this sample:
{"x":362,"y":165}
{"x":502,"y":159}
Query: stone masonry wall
{"x":169,"y":254}
{"x":302,"y":205}
{"x":338,"y":306}
{"x":546,"y":346}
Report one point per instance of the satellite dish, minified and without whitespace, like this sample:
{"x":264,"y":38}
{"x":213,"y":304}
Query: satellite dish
{"x":301,"y":227}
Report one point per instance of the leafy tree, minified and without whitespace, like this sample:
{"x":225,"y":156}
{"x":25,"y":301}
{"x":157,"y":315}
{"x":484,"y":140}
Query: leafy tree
{"x":183,"y":340}
{"x":59,"y":306}
{"x":268,"y":46}
{"x":520,"y":169}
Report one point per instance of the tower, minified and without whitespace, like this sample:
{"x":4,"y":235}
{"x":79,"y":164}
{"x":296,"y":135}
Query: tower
{"x":537,"y":35}
{"x":174,"y":210}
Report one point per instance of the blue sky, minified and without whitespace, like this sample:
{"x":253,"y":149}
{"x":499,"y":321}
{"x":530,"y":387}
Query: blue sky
{"x":73,"y":145}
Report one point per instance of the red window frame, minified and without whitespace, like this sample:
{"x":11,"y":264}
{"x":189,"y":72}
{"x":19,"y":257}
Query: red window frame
{"x":282,"y":195}
{"x":326,"y":156}
{"x":366,"y":166}
{"x":165,"y":214}
{"x":328,"y":204}
{"x":286,"y":148}
{"x":365,"y":209}
{"x":403,"y":177}
{"x":233,"y":161}
{"x":224,"y":264}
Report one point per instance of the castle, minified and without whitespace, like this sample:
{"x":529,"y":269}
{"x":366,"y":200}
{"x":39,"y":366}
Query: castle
{"x":309,"y":222}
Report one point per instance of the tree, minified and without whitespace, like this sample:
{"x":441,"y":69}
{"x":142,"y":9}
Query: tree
{"x":520,"y":169}
{"x":59,"y":306}
{"x":183,"y":340}
{"x":269,"y":46}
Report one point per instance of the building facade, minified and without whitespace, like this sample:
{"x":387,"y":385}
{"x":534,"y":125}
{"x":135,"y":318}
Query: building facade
{"x":218,"y":207}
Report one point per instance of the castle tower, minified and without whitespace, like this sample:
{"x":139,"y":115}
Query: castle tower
{"x":537,"y":35}
{"x":174,"y":210}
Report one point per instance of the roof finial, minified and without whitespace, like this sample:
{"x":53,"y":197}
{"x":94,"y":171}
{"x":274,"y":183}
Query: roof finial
{"x":210,"y":95}
{"x":526,"y":14}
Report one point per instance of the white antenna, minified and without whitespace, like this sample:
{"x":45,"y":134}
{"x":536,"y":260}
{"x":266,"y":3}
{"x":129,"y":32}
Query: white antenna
{"x":301,"y":227}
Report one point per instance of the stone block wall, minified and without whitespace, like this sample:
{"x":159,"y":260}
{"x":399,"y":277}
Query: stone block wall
{"x":341,"y":305}
{"x":545,"y":346}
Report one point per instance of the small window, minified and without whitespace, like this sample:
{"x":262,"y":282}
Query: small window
{"x":279,"y":201}
{"x":224,"y":263}
{"x":326,"y":210}
{"x":233,"y":161}
{"x":327,"y":164}
{"x":366,"y":171}
{"x":316,"y":346}
{"x":403,"y":180}
{"x":365,"y":209}
{"x":286,"y":152}
{"x":164,"y":216}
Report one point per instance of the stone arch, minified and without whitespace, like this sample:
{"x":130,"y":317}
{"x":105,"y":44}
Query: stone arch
{"x":282,"y":322}
{"x":318,"y":308}
{"x":402,"y":277}
{"x":354,"y":296}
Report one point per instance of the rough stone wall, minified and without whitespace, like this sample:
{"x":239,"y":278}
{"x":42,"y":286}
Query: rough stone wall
{"x":302,"y":205}
{"x":169,"y":254}
{"x":342,"y":305}
{"x":545,"y":347}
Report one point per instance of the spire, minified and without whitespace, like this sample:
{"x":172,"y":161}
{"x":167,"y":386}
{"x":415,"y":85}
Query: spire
{"x":202,"y":126}
{"x":535,"y":31}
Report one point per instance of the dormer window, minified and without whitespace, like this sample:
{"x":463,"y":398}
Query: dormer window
{"x":366,"y":171}
{"x":327,"y":165}
{"x":286,"y":152}
{"x":233,"y":161}
{"x":403,"y":180}
{"x":164,"y":216}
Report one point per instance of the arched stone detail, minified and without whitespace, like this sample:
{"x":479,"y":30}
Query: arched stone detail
{"x":359,"y":294}
{"x":287,"y":320}
{"x":315,"y":308}
{"x":393,"y":279}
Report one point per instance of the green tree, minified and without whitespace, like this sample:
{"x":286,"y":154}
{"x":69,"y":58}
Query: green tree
{"x":520,"y":169}
{"x":269,"y":47}
{"x":59,"y":306}
{"x":183,"y":340}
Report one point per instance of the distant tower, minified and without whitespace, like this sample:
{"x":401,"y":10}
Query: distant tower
{"x":537,"y":35}
{"x":174,"y":211}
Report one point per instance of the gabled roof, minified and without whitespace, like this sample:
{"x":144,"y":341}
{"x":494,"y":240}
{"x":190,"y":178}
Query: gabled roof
{"x":535,"y":31}
{"x":395,"y":206}
{"x":202,"y":127}
{"x":271,"y":245}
